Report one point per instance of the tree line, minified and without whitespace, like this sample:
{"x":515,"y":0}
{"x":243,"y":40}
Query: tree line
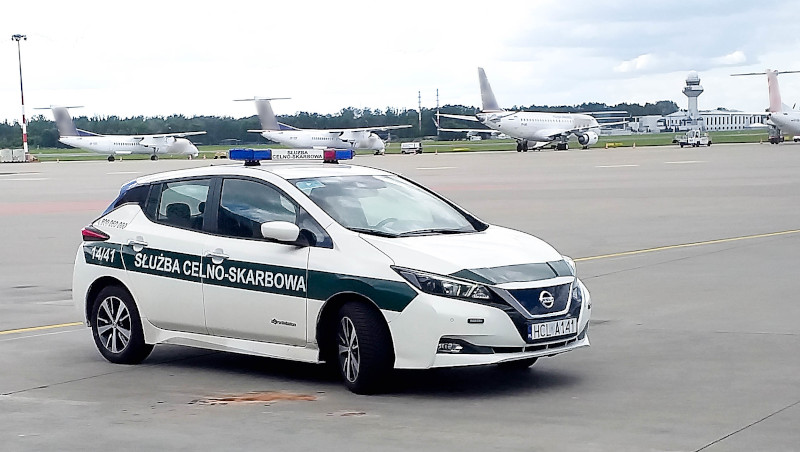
{"x":42,"y":131}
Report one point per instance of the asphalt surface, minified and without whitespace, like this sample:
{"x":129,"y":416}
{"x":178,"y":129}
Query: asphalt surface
{"x":691,"y":256}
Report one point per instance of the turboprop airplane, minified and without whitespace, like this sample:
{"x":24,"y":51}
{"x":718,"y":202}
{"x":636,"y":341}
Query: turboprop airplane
{"x":357,"y":138}
{"x":532,"y":130}
{"x":784,"y":118}
{"x":113,"y":145}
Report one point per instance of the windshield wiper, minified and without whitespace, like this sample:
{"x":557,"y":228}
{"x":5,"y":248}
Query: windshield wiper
{"x":373,"y":232}
{"x":431,"y":232}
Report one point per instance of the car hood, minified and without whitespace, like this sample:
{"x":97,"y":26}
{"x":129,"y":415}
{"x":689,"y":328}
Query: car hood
{"x":450,"y":254}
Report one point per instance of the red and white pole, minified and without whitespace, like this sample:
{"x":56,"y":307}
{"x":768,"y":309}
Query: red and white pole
{"x":22,"y":94}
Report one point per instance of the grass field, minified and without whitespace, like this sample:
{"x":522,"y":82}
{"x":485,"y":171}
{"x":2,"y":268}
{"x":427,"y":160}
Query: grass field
{"x":654,"y":139}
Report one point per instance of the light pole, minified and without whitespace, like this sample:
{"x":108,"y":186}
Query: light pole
{"x":19,"y":38}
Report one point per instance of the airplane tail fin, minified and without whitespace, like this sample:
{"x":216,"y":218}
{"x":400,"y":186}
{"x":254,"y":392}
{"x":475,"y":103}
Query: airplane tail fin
{"x":66,"y":127}
{"x":775,"y":104}
{"x":487,"y":96}
{"x":265,"y":114}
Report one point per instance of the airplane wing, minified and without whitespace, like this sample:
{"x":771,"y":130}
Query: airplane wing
{"x":462,"y":117}
{"x":495,"y":132}
{"x":357,"y":129}
{"x":176,"y":135}
{"x":370,"y":129}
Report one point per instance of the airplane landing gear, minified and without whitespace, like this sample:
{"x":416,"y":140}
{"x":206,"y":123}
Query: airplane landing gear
{"x":154,"y":157}
{"x":110,"y":158}
{"x":562,"y":146}
{"x":522,"y":146}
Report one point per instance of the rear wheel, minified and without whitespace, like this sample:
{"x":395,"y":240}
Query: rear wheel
{"x":117,"y":327}
{"x":110,"y":158}
{"x":364,"y":348}
{"x":154,"y":157}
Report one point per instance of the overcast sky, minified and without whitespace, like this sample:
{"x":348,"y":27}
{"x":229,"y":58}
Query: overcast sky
{"x":151,"y":58}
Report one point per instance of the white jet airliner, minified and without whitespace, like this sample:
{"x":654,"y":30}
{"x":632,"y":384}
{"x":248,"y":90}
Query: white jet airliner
{"x":532,"y":130}
{"x":162,"y":143}
{"x":784,"y":118}
{"x":357,"y":138}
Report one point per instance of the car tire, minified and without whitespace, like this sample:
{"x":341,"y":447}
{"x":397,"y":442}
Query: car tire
{"x":117,"y":327}
{"x":520,"y":364}
{"x":364,"y":348}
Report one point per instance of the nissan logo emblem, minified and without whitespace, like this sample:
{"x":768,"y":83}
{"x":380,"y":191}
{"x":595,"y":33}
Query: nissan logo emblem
{"x":546,"y":299}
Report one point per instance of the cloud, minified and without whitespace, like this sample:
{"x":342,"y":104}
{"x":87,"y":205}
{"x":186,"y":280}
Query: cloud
{"x":733,"y":58}
{"x":640,"y":63}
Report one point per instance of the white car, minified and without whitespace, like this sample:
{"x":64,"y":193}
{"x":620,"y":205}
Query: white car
{"x":353,"y":266}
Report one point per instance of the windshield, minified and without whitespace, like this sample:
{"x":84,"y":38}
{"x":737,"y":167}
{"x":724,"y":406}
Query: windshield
{"x":385,"y":205}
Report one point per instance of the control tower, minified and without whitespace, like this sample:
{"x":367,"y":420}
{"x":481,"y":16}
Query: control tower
{"x":692,"y":90}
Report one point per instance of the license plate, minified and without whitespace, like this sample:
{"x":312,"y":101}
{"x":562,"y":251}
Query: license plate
{"x":538,"y":331}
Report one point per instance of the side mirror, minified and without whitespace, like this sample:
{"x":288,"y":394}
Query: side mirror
{"x":281,"y":231}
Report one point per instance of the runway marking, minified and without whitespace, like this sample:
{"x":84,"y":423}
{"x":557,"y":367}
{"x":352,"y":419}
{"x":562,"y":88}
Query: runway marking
{"x":437,"y":167}
{"x":688,"y":245}
{"x":18,"y":174}
{"x":25,"y":178}
{"x":615,"y":166}
{"x":39,"y":328}
{"x":681,"y":162}
{"x":123,"y":172}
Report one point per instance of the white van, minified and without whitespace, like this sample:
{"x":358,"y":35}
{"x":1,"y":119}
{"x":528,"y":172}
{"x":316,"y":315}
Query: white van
{"x":413,"y":147}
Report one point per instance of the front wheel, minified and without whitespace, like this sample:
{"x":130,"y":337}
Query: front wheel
{"x":364,"y":348}
{"x":117,"y":327}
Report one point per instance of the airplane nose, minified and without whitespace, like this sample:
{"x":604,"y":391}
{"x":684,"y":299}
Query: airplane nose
{"x":186,"y":147}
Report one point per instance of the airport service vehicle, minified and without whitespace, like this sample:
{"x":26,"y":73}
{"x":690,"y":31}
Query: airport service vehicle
{"x":694,"y":138}
{"x":323,"y":263}
{"x":412,"y":147}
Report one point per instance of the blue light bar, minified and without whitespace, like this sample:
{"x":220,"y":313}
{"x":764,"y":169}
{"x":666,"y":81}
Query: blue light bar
{"x":250,"y":155}
{"x":334,"y":155}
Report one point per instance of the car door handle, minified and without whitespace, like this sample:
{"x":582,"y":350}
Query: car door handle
{"x":138,"y":243}
{"x":217,"y":255}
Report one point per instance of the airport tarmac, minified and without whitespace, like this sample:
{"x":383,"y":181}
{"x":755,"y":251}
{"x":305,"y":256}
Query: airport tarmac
{"x":690,"y":255}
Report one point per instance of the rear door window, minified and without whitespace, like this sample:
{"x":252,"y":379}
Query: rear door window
{"x":183,"y":203}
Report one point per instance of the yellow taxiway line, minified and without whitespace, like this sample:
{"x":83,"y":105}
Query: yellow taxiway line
{"x":687,"y":245}
{"x":39,"y":328}
{"x":580,"y":259}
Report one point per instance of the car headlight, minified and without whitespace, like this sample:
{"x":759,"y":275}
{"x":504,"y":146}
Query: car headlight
{"x":577,"y":292}
{"x":445,"y":286}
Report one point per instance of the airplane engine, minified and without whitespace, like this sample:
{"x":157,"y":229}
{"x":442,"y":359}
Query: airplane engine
{"x":588,"y":138}
{"x":351,"y":136}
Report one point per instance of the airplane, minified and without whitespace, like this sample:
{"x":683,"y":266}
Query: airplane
{"x":356,"y":138}
{"x":113,"y":145}
{"x":532,"y":130}
{"x":784,"y":118}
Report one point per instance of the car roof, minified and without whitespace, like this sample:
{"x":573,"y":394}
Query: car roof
{"x":282,"y":170}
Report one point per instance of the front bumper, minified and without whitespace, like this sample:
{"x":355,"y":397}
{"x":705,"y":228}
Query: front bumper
{"x":493,"y":337}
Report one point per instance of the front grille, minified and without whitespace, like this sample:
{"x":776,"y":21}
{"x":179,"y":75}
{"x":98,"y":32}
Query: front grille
{"x":530,"y":299}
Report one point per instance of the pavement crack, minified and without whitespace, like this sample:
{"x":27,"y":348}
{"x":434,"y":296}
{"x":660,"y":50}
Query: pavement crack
{"x":719,"y":440}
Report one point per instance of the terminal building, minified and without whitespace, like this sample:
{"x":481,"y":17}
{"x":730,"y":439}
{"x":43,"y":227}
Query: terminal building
{"x":693,"y":118}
